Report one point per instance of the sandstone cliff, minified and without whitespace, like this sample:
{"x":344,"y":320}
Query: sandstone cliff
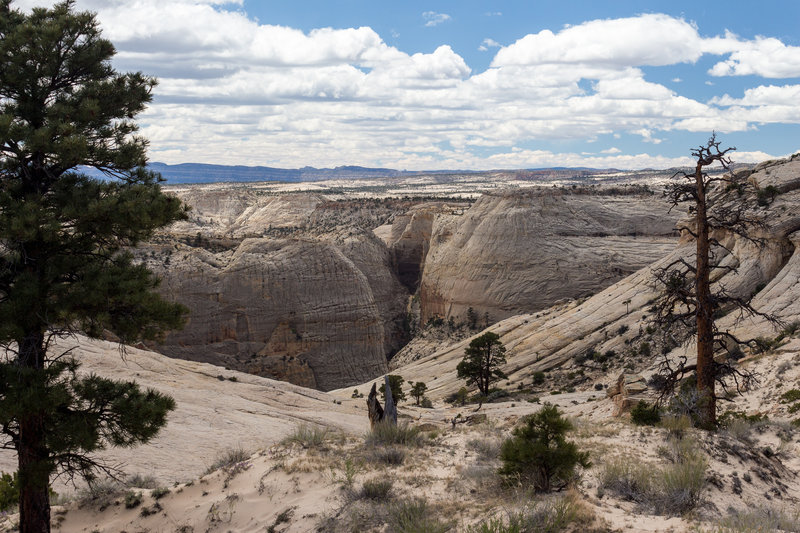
{"x":515,"y":252}
{"x":280,"y":286}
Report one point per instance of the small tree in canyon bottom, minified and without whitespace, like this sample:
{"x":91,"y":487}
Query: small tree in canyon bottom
{"x":720,"y":205}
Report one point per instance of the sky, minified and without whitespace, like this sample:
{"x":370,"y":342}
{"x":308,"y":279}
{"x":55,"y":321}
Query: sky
{"x":466,"y":84}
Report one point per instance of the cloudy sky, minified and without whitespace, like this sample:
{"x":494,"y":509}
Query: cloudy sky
{"x":461,"y":84}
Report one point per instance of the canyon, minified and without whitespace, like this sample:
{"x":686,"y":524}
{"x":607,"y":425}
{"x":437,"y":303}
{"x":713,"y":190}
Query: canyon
{"x":321,"y":288}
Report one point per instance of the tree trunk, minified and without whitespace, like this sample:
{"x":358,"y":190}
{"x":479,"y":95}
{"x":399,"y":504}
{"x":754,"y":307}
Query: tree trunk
{"x":34,"y":470}
{"x":705,"y":326}
{"x":34,"y":497}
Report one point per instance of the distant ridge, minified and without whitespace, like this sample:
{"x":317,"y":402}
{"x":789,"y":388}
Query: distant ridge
{"x":185,"y":173}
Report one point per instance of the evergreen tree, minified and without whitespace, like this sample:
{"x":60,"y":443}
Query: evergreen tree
{"x":418,"y":390}
{"x":396,"y":384}
{"x":481,"y":360}
{"x":64,"y":264}
{"x":539,"y":453}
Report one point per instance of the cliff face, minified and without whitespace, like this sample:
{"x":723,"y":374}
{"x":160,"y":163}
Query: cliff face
{"x":516,"y":252}
{"x":273,"y":293}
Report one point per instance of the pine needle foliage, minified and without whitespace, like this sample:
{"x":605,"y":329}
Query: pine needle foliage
{"x":65,"y":265}
{"x":539,"y":454}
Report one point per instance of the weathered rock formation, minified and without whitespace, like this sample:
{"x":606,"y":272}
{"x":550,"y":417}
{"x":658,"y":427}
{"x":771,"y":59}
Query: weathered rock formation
{"x":520,"y":251}
{"x":274,"y":294}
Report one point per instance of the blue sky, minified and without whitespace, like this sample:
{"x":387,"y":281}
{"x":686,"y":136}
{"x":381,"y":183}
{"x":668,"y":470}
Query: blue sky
{"x":466,"y":84}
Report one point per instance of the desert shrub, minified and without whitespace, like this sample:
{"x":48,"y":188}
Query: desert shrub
{"x":671,"y":490}
{"x":496,"y":394}
{"x":151,"y":510}
{"x":388,"y":455}
{"x":140,"y":481}
{"x":550,"y":516}
{"x":384,"y":434}
{"x":228,"y":458}
{"x":676,"y":425}
{"x":539,"y":453}
{"x":538,"y":377}
{"x":414,"y":515}
{"x":376,"y":489}
{"x":132,"y":499}
{"x":644,"y":414}
{"x":159,"y":493}
{"x":426,"y":403}
{"x":308,"y":436}
{"x":487,"y":449}
{"x":459,"y":397}
{"x":761,"y":520}
{"x":100,"y":494}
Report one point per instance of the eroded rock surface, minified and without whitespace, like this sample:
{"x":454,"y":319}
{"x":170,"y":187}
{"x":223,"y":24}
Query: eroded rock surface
{"x":516,"y":252}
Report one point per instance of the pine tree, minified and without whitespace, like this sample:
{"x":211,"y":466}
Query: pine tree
{"x":65,"y":267}
{"x":481,"y":360}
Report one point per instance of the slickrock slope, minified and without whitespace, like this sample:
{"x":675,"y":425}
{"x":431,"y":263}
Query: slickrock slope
{"x":520,"y":251}
{"x":614,"y":323}
{"x":216,"y":410}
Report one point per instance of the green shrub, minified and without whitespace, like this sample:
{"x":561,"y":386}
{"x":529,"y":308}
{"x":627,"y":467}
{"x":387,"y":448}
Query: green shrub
{"x":159,"y":493}
{"x":538,"y":377}
{"x":790,"y":396}
{"x":644,"y":414}
{"x":426,"y":403}
{"x":9,"y":491}
{"x":459,"y":397}
{"x":538,"y":452}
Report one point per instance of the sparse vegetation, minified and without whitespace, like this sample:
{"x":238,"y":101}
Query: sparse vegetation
{"x":384,"y":434}
{"x":549,"y":516}
{"x":308,"y":436}
{"x":415,"y":515}
{"x":228,"y":458}
{"x":670,"y":490}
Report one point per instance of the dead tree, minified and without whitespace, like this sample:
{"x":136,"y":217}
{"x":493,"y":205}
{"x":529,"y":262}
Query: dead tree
{"x":688,"y":304}
{"x":387,"y":413}
{"x":374,"y":407}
